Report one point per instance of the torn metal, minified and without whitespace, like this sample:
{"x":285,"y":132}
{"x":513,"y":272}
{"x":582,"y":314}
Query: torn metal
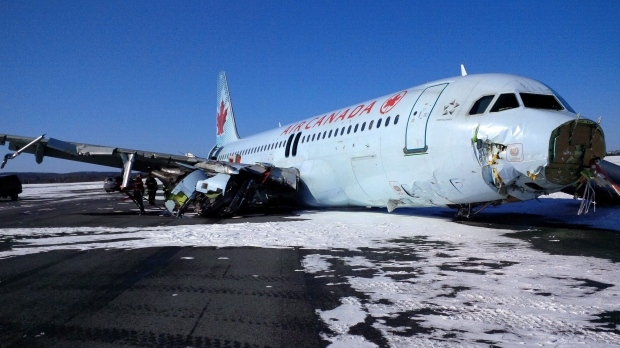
{"x":223,"y":189}
{"x":19,"y":151}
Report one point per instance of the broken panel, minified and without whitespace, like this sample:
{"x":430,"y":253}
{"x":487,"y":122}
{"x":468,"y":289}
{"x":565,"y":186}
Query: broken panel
{"x":573,"y":146}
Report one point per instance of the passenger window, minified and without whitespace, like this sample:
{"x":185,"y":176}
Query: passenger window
{"x":387,"y":121}
{"x":349,"y":130}
{"x":379,"y":123}
{"x":396,"y":119}
{"x":540,"y":101}
{"x":342,"y":131}
{"x":505,"y":102}
{"x":324,"y":134}
{"x":370,"y":124}
{"x":313,"y":135}
{"x":355,"y":129}
{"x":330,"y":134}
{"x":363,"y":126}
{"x":481,"y":105}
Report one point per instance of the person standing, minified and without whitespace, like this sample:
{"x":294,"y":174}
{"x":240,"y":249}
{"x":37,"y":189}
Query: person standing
{"x":138,"y":193}
{"x":151,"y":188}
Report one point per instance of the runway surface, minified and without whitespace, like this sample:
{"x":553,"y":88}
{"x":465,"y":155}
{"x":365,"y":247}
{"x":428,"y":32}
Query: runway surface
{"x":79,"y":267}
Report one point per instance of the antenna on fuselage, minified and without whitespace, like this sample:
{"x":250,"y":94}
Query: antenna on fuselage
{"x":463,"y":71}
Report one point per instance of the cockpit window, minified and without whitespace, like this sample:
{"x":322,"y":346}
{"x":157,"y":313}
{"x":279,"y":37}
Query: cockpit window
{"x":540,"y":101}
{"x":481,"y":105}
{"x":505,"y":102}
{"x":563,"y":101}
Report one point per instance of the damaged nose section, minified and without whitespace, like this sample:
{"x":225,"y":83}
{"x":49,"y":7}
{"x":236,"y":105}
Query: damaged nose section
{"x":573,"y":146}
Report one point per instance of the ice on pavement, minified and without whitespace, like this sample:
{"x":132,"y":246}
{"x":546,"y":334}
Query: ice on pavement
{"x":420,"y":278}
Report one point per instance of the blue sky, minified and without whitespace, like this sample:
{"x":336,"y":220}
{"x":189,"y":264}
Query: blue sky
{"x":143,"y":75}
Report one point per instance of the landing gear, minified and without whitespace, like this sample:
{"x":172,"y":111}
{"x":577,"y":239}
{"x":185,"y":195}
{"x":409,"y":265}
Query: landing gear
{"x":465,"y":211}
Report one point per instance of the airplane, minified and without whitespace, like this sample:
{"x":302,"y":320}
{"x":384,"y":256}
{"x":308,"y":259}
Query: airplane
{"x":466,"y":142}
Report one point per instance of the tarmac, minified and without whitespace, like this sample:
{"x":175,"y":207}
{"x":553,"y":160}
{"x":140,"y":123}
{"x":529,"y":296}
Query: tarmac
{"x":164,"y":297}
{"x":186,"y":296}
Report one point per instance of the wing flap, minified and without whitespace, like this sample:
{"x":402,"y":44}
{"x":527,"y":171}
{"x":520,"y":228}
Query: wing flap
{"x":90,"y":150}
{"x":62,"y":146}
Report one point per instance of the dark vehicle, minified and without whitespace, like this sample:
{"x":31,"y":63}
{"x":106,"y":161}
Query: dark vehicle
{"x":112,"y":184}
{"x":10,"y":186}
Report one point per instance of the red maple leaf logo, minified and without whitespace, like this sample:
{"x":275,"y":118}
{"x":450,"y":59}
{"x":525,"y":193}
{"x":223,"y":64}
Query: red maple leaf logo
{"x":391,"y":102}
{"x":221,"y":118}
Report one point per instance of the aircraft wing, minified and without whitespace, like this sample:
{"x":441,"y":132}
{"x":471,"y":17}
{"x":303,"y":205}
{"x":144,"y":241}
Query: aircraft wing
{"x":216,"y":187}
{"x":95,"y":154}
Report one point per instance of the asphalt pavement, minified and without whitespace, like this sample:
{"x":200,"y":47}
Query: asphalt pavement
{"x":216,"y":297}
{"x":150,"y":297}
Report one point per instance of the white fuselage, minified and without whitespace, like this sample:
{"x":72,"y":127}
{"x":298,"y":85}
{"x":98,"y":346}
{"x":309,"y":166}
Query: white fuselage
{"x":417,"y":147}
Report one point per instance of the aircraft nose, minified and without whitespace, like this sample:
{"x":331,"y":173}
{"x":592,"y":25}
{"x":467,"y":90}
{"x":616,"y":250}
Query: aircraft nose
{"x":573,"y":146}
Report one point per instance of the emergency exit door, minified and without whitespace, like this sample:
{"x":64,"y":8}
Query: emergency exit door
{"x":415,"y":138}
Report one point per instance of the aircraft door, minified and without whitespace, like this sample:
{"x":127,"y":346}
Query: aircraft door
{"x":371,"y":177}
{"x":415,"y":138}
{"x":369,"y":173}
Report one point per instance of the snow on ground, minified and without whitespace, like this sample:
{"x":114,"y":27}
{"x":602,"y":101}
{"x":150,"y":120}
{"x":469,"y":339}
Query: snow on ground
{"x":613,"y":159}
{"x":420,"y":278}
{"x":70,"y":191}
